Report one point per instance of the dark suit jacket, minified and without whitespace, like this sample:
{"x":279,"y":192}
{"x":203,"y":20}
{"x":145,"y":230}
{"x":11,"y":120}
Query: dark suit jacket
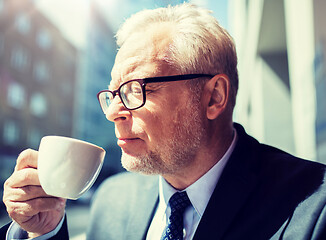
{"x":263,"y":193}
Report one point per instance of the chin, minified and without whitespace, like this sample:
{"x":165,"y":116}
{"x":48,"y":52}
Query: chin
{"x":143,"y":164}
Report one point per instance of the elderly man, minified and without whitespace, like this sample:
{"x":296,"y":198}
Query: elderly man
{"x":171,"y":97}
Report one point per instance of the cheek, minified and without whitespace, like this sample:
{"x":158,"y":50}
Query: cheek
{"x":163,"y":119}
{"x":171,"y":125}
{"x":157,"y":127}
{"x":148,"y":125}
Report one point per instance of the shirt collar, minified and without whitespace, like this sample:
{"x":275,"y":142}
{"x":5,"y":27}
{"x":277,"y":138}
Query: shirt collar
{"x":200,"y":191}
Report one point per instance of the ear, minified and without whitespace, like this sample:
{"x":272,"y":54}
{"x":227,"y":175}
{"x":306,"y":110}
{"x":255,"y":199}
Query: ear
{"x":218,"y":93}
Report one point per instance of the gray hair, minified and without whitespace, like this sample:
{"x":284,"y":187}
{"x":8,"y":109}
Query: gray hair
{"x":199,"y":45}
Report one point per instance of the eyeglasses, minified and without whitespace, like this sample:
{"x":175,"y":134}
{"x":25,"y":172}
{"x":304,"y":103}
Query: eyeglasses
{"x":133,"y":94}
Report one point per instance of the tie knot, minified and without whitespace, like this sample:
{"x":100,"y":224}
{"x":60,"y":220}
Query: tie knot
{"x":178,"y":202}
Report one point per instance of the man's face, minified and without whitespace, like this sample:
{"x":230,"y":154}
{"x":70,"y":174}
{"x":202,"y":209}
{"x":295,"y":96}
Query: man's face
{"x":164,"y":135}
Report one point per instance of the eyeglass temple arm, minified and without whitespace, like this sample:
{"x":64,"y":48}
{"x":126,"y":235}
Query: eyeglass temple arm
{"x":176,"y":78}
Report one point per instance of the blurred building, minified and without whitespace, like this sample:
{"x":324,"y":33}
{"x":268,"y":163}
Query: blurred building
{"x":96,"y":64}
{"x":37,"y":80}
{"x":281,"y":49}
{"x":98,"y":59}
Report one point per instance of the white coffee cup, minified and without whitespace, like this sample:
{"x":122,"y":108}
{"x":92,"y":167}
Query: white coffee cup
{"x":68,"y":167}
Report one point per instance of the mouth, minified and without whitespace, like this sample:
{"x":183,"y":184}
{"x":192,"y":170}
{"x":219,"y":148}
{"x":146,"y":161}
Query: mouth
{"x":122,"y":142}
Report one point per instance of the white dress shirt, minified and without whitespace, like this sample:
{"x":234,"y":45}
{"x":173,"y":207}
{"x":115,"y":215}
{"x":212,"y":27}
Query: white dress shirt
{"x":199,"y":194}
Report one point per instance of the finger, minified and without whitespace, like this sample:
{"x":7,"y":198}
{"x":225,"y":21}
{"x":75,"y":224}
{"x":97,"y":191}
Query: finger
{"x":27,"y":159}
{"x":22,"y":178}
{"x":22,"y":210}
{"x":42,"y":222}
{"x":23,"y":194}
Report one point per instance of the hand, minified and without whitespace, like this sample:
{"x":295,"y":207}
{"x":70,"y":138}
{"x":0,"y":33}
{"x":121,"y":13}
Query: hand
{"x":26,"y":202}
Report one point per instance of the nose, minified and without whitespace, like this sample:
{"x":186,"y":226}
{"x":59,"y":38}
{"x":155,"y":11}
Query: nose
{"x":117,"y":111}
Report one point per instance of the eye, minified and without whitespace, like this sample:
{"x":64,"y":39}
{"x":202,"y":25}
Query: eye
{"x":132,"y":90}
{"x":135,"y":88}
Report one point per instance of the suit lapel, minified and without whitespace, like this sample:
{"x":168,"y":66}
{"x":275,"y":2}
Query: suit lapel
{"x":234,"y":187}
{"x":142,"y":211}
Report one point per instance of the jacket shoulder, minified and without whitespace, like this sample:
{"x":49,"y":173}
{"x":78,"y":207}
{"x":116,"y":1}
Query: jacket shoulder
{"x":124,"y":184}
{"x":117,"y":201}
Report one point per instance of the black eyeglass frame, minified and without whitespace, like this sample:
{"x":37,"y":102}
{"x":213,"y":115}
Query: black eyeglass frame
{"x":143,"y":83}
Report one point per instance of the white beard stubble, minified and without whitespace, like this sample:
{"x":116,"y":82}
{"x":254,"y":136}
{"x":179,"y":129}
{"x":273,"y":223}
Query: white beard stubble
{"x":173,"y":154}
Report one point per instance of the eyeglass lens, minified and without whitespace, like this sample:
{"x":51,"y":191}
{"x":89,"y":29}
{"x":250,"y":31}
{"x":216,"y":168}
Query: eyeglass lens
{"x":105,"y":100}
{"x":131,"y":94}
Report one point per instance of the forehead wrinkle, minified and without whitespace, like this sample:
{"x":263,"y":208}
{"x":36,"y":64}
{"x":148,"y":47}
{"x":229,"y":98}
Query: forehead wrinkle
{"x":122,"y":70}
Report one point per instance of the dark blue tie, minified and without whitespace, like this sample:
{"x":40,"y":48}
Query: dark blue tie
{"x":178,"y":203}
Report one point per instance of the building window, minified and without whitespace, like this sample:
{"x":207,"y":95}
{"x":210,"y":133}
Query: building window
{"x":19,"y":58}
{"x":16,"y":95}
{"x":43,"y":39}
{"x":11,"y":132}
{"x":38,"y":105}
{"x":23,"y":23}
{"x":41,"y":71}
